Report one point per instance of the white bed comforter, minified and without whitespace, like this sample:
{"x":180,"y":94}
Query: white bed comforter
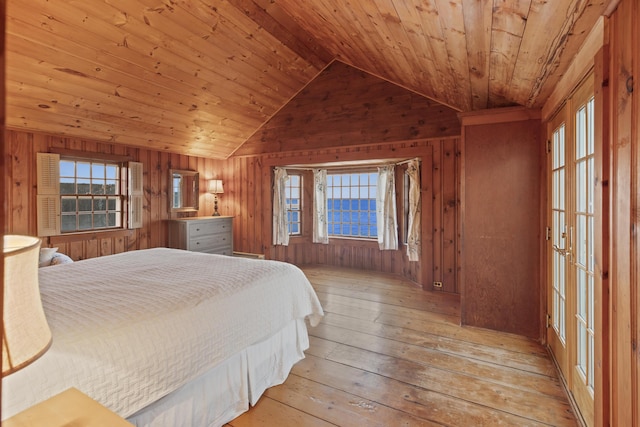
{"x":130,"y":328}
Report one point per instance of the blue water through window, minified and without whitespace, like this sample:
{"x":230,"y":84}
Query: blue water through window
{"x":351,"y":204}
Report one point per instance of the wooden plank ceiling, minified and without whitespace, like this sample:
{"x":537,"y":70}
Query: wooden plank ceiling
{"x":200,"y":77}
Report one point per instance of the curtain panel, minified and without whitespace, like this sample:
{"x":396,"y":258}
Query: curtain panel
{"x":280,"y":231}
{"x":387,"y":220}
{"x":413,"y":234}
{"x":320,"y":225}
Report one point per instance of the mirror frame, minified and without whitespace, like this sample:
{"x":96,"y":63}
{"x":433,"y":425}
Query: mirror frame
{"x":196,"y":190}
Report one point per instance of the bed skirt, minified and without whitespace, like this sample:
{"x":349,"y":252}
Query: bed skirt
{"x":226,"y":391}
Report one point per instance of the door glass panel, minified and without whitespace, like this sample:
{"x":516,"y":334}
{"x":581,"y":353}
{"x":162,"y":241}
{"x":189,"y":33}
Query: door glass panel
{"x":584,"y":263}
{"x":559,"y":258}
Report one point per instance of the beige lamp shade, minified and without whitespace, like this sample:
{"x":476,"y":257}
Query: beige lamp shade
{"x":26,"y":335}
{"x":214,"y":186}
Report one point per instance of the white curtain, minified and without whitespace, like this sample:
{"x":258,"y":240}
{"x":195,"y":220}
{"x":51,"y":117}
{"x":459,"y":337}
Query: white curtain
{"x":386,"y":209}
{"x":320,"y":225}
{"x":413,"y":234}
{"x":280,"y":231}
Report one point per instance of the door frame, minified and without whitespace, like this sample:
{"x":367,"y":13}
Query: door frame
{"x":566,"y":362}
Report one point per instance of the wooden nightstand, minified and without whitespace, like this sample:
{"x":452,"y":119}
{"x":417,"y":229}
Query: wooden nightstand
{"x":70,"y":408}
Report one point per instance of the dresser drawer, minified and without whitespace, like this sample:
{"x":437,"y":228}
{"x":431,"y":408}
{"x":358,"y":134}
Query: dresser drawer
{"x":205,"y":228}
{"x":205,"y":243}
{"x":212,"y":235}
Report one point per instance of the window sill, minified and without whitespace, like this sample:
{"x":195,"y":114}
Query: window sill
{"x":90,"y":235}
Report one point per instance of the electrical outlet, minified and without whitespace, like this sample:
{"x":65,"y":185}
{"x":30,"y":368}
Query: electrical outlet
{"x":437,"y":285}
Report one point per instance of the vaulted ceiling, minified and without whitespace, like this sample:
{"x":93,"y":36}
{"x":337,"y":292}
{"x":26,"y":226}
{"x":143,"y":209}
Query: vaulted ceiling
{"x":201,"y":77}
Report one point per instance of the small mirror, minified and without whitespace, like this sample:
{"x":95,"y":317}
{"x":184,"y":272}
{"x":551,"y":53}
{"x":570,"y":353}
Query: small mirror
{"x":184,"y":187}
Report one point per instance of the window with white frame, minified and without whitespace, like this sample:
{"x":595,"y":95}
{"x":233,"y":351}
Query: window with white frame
{"x":293,"y":194}
{"x":351,"y":204}
{"x":78,"y":194}
{"x":90,"y":195}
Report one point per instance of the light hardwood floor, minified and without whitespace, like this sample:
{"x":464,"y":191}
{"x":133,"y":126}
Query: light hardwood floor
{"x":389,"y":354}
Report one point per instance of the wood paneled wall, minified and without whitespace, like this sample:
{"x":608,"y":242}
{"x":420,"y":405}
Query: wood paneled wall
{"x":501,"y":216}
{"x":624,"y":123}
{"x":248,"y":187}
{"x":247,"y":197}
{"x":344,"y":106}
{"x":20,"y":191}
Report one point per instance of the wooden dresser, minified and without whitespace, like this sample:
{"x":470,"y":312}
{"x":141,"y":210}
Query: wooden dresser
{"x":213,"y":234}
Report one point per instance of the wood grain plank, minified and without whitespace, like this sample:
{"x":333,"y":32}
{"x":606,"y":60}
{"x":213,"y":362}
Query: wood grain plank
{"x":507,"y":28}
{"x":419,"y":401}
{"x":269,"y":412}
{"x":464,"y":376}
{"x":461,"y":386}
{"x":339,"y":407}
{"x":477,"y":25}
{"x":529,"y":362}
{"x":487,"y":370}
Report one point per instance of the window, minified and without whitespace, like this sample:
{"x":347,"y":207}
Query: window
{"x":351,"y":204}
{"x":76,"y":195}
{"x":90,"y":195}
{"x":293,"y":195}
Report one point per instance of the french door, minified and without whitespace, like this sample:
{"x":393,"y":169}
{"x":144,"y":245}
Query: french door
{"x":571,"y":250}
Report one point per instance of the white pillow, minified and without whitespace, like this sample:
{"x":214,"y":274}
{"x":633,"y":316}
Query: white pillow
{"x":61,"y":258}
{"x":46,"y":254}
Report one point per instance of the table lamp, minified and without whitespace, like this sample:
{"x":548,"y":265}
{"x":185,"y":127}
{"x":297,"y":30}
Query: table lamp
{"x":25,"y":332}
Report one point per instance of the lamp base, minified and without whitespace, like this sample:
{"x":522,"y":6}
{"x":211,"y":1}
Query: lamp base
{"x":215,"y":206}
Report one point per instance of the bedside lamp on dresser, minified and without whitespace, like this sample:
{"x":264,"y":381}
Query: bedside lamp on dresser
{"x":26,"y":336}
{"x":214,"y":187}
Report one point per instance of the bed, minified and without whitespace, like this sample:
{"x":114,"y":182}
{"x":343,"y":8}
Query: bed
{"x":166,"y":337}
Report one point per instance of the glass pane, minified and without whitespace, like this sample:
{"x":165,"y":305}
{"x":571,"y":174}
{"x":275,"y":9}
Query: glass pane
{"x":83,"y":170}
{"x":99,"y":204}
{"x":97,"y":187}
{"x":68,"y":204}
{"x":562,"y":334}
{"x":84,"y":186}
{"x":582,"y":347}
{"x":112,"y":172}
{"x":84,"y":204}
{"x":561,"y":189}
{"x":590,"y":304}
{"x":590,"y":249}
{"x":581,"y":190}
{"x":111,"y":220}
{"x":581,"y":240}
{"x":590,"y":365}
{"x":84,"y":222}
{"x":590,"y":127}
{"x":111,"y":187}
{"x":67,"y":186}
{"x":68,"y":223}
{"x":67,"y":168}
{"x":590,"y":185}
{"x":581,"y":137}
{"x":98,"y":171}
{"x":99,"y":220}
{"x":582,"y":294}
{"x":558,"y":147}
